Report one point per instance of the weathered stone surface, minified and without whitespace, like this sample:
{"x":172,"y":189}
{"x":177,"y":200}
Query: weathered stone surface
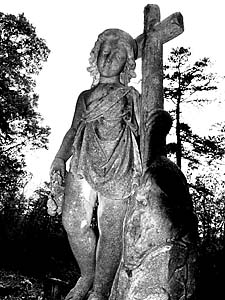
{"x":56,"y":197}
{"x":150,"y":48}
{"x":105,"y":165}
{"x":160,"y":232}
{"x":158,"y":236}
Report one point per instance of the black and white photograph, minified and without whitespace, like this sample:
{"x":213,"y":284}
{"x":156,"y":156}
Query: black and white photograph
{"x":112,"y":150}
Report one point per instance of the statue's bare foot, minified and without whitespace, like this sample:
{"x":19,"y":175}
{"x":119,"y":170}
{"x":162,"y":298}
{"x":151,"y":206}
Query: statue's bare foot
{"x":81,"y":288}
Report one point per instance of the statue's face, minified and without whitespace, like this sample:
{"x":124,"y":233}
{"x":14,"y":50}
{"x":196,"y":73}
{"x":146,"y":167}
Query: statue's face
{"x":112,"y":58}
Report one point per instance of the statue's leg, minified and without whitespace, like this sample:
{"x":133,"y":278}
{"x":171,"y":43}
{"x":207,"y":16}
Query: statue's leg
{"x":111,"y":215}
{"x":76,"y":217}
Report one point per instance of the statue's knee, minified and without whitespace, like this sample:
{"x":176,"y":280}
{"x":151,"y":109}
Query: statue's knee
{"x":74,"y":225}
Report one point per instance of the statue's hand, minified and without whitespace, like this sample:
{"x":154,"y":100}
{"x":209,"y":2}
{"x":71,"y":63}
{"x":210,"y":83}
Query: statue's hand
{"x":58,"y":165}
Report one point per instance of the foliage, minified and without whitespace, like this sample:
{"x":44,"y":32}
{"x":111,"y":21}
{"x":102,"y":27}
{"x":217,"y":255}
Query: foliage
{"x":193,"y":84}
{"x":37,"y":216}
{"x":199,"y":150}
{"x":187,"y":84}
{"x":209,"y":201}
{"x":15,"y":286}
{"x":22,"y":53}
{"x":207,"y":182}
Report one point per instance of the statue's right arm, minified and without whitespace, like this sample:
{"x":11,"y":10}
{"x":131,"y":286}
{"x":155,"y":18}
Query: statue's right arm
{"x":65,"y":150}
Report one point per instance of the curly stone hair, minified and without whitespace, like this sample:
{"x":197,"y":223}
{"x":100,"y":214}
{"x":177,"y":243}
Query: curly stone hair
{"x":131,"y":47}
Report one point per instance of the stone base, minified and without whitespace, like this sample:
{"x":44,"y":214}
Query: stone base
{"x":165,"y":273}
{"x":159,"y":256}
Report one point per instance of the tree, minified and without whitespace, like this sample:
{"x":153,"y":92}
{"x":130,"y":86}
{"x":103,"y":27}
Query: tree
{"x":192,"y":84}
{"x":22,"y":53}
{"x":187,"y":84}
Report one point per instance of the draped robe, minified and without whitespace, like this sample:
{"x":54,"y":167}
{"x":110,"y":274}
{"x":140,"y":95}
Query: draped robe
{"x":105,"y":149}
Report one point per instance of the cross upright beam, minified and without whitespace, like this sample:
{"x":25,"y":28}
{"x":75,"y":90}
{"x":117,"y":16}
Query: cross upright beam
{"x":150,"y":48}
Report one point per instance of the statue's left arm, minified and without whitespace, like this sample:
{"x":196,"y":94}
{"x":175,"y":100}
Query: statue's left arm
{"x":65,"y":150}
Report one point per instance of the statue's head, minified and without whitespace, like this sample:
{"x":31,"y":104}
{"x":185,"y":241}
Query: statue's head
{"x":125,"y":49}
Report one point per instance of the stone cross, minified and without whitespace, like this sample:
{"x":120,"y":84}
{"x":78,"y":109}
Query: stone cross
{"x":150,"y":48}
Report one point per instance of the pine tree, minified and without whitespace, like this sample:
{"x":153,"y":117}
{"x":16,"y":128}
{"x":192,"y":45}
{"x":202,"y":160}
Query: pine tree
{"x":186,"y":83}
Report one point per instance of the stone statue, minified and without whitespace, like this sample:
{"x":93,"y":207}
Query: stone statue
{"x":105,"y":164}
{"x":147,"y":229}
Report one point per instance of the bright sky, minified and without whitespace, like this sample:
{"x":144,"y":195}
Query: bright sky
{"x":70,"y":29}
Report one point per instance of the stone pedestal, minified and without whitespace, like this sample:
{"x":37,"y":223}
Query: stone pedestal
{"x":159,"y":260}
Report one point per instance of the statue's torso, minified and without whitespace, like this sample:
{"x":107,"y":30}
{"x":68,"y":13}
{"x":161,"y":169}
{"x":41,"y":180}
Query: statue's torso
{"x":109,"y":123}
{"x":105,"y":148}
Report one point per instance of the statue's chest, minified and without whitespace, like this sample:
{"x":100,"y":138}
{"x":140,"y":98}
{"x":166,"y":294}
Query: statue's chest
{"x":109,"y":105}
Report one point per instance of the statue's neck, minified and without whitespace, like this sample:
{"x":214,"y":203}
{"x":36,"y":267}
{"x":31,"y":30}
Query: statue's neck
{"x":114,"y":79}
